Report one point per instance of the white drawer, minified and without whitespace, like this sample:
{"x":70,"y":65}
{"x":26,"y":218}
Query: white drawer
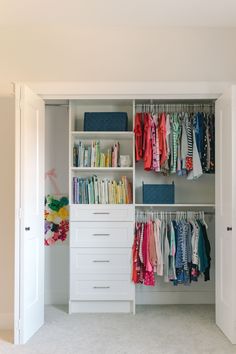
{"x":101,"y":289}
{"x":100,"y":260}
{"x":101,"y":234}
{"x":102,"y":212}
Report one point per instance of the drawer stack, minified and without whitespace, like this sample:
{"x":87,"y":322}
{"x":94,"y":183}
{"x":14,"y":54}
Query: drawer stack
{"x":101,"y":258}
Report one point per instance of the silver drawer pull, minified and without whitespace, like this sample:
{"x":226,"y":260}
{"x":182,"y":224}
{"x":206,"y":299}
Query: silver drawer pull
{"x":101,"y":234}
{"x":101,"y":213}
{"x":101,"y":261}
{"x":101,"y":287}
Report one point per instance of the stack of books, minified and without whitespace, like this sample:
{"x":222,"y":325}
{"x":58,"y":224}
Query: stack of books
{"x":91,"y":155}
{"x":99,"y":190}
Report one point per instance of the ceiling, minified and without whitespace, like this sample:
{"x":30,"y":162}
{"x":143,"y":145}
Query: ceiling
{"x":135,"y":13}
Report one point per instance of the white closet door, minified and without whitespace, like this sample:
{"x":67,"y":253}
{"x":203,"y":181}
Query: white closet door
{"x":31,"y":246}
{"x":225,"y":214}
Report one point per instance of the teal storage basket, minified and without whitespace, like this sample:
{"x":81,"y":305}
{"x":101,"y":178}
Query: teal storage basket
{"x":159,"y":193}
{"x":105,"y":121}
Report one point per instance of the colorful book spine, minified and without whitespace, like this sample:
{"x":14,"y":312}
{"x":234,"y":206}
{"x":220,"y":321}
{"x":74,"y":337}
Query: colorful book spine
{"x":96,"y":190}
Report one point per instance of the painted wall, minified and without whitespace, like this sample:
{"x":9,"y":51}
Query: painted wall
{"x":53,"y":53}
{"x":7,"y":212}
{"x":73,"y":53}
{"x":57,"y":156}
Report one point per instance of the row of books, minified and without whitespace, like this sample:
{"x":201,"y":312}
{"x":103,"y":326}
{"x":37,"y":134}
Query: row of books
{"x":85,"y":155}
{"x":99,"y":190}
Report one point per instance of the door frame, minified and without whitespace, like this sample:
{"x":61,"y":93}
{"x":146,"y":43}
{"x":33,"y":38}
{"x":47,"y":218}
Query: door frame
{"x":92,"y":90}
{"x":16,"y":316}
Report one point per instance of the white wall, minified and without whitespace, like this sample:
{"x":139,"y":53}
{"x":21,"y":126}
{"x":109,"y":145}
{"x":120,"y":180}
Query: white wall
{"x":7,"y":211}
{"x":56,"y":156}
{"x":73,"y":53}
{"x":57,"y":53}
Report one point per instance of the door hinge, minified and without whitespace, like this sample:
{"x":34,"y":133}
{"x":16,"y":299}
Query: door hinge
{"x":19,"y":104}
{"x":19,"y":325}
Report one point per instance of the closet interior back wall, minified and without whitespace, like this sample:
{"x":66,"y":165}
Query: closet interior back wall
{"x":199,"y":191}
{"x":57,"y":157}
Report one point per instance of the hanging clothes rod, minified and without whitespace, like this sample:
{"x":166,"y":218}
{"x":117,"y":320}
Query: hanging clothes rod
{"x":175,"y":104}
{"x":175,"y":107}
{"x":182,"y":212}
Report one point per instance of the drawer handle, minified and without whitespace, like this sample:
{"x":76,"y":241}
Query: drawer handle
{"x":101,"y":261}
{"x":101,"y":213}
{"x":101,"y":234}
{"x":101,"y":287}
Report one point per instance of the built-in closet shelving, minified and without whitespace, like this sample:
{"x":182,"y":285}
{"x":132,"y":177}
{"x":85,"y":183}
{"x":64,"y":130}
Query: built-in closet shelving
{"x":202,"y":189}
{"x":105,"y":289}
{"x":106,"y":139}
{"x":101,"y":234}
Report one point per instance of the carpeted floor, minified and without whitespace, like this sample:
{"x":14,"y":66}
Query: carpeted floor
{"x":172,"y":329}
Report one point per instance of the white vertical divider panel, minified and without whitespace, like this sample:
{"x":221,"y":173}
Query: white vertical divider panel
{"x":134,"y":163}
{"x":71,"y":128}
{"x":134,"y":186}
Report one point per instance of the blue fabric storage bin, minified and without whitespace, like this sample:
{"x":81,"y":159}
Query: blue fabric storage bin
{"x":105,"y":121}
{"x":159,"y":193}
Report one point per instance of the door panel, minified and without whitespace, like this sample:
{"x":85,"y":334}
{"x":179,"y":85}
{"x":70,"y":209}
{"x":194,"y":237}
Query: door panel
{"x":32,"y":220}
{"x":225,"y":237}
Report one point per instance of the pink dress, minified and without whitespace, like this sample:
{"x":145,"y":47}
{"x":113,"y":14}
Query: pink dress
{"x":162,"y":138}
{"x":147,"y":141}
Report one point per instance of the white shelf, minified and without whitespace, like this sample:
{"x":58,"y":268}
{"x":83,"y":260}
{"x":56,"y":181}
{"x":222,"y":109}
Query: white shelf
{"x":103,"y":135}
{"x":176,"y":205}
{"x":102,"y":206}
{"x":101,"y":169}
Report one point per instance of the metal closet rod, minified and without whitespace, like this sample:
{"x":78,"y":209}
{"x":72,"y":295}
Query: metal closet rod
{"x":174,"y":105}
{"x":183,"y":212}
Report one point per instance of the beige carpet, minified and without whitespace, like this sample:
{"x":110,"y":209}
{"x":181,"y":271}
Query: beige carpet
{"x":154,"y":329}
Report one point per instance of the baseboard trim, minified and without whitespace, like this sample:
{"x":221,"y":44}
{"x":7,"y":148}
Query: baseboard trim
{"x":56,"y":298}
{"x":174,"y":298}
{"x":101,"y":307}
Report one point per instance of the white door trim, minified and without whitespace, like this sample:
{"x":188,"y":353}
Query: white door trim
{"x":95,"y":90}
{"x":17,"y":214}
{"x":130,"y":90}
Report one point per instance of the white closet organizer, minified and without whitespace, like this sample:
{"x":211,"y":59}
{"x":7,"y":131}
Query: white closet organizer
{"x":101,"y":235}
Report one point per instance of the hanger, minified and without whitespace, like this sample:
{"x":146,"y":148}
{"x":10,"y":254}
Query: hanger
{"x":203,"y":219}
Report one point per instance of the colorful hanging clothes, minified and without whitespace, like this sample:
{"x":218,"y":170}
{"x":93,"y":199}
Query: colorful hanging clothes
{"x":181,"y":143}
{"x":147,"y":142}
{"x":178,"y":250}
{"x":138,"y":130}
